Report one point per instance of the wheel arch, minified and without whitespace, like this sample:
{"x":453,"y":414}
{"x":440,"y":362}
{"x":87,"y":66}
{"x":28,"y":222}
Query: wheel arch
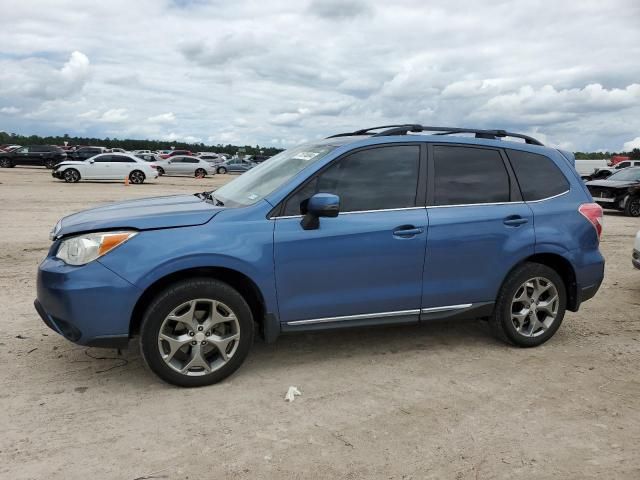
{"x":238,"y":280}
{"x":562,"y":267}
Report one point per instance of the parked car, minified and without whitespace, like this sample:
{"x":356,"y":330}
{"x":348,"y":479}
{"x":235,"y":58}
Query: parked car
{"x":116,"y":150}
{"x":635,"y":256}
{"x":8,"y":147}
{"x":149,"y":157}
{"x":351,"y":231}
{"x":235,"y":165}
{"x":620,"y":191}
{"x":83,"y":153}
{"x":185,"y":165}
{"x":41,"y":155}
{"x":257,"y":158}
{"x":106,"y":166}
{"x":173,"y":153}
{"x":141,"y":152}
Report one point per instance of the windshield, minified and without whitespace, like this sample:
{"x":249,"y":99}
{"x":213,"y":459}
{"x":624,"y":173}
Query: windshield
{"x":263,"y":179}
{"x":626,"y":175}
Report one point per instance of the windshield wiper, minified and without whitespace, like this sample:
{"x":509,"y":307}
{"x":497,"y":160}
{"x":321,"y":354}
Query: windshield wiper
{"x":209,"y":197}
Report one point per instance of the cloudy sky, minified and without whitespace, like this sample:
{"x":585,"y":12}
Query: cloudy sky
{"x":277,"y":72}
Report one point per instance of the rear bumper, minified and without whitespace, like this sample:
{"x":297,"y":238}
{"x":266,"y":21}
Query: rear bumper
{"x":88,"y":305}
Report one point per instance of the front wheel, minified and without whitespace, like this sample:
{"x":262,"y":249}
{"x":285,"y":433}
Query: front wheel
{"x":200,"y":173}
{"x":530,"y":307}
{"x":222,"y":170}
{"x":71,"y":175}
{"x":160,"y":171}
{"x":136,"y":177}
{"x":632,"y":207}
{"x":49,"y":164}
{"x":197,"y":332}
{"x":5,"y":163}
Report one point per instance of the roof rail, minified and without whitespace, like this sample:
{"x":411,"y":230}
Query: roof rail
{"x":414,"y":128}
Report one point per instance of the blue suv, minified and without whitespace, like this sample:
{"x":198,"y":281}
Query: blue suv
{"x":390,"y":225}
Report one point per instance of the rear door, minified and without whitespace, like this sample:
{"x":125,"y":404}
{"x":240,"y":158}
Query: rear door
{"x":479,"y":228}
{"x":120,"y":167}
{"x":365,"y":265}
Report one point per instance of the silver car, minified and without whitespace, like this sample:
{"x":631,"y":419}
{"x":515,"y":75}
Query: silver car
{"x":185,"y":165}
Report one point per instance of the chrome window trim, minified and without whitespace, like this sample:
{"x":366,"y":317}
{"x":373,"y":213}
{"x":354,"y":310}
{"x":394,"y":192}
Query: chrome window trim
{"x":356,"y":211}
{"x":549,"y":198}
{"x":500,"y":203}
{"x":362,"y":316}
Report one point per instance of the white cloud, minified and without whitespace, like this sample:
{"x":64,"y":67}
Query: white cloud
{"x":10,"y":110}
{"x":630,"y":145}
{"x":168,"y":117}
{"x":256,"y":72}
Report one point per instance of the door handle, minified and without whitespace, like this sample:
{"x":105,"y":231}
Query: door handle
{"x":515,"y":221}
{"x":407,"y":231}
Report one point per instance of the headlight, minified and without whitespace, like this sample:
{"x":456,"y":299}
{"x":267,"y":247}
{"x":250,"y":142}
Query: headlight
{"x":85,"y":248}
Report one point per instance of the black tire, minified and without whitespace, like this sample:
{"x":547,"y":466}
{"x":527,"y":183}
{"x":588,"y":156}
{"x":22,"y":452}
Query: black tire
{"x":6,"y":163}
{"x":501,"y":322}
{"x":632,"y":207}
{"x":170,"y":299}
{"x":49,"y":164}
{"x":71,"y":175}
{"x":201,"y":172}
{"x":137,"y":177}
{"x":160,"y":171}
{"x":222,"y":170}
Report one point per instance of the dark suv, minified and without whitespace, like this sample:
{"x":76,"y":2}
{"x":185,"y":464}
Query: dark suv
{"x":41,"y":155}
{"x":84,"y":153}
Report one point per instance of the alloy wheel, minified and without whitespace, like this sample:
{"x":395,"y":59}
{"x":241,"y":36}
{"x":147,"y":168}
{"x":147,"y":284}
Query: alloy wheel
{"x":5,"y":163}
{"x":136,"y":177}
{"x":534,"y":307}
{"x":71,"y":176}
{"x":634,"y":207}
{"x":199,"y":337}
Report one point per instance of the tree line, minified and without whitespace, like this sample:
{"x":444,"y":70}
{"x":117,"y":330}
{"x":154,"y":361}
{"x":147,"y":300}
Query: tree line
{"x":131,"y":144}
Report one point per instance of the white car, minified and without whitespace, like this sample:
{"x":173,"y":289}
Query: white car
{"x":635,"y":256}
{"x":185,"y":165}
{"x":106,"y":166}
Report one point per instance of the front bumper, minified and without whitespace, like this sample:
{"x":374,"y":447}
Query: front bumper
{"x":56,"y":174}
{"x":88,"y":305}
{"x":635,"y":258}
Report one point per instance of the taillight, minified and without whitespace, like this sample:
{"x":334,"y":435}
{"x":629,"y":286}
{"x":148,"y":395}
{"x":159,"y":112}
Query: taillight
{"x":593,"y":213}
{"x":153,"y":166}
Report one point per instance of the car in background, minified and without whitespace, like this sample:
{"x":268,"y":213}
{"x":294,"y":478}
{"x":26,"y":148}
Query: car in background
{"x":8,"y":147}
{"x":116,"y":150}
{"x":606,"y":172}
{"x":40,"y":155}
{"x":257,"y":158}
{"x":173,"y":153}
{"x":212,"y":158}
{"x":235,"y":165}
{"x":620,"y":191}
{"x":149,"y":157}
{"x":185,"y":165}
{"x":106,"y":166}
{"x":83,"y":153}
{"x":635,"y":256}
{"x":139,"y":152}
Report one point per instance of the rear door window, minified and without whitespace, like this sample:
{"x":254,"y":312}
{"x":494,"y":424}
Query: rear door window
{"x":538,"y":176}
{"x":467,"y":176}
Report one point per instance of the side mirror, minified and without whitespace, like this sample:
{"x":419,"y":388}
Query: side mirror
{"x":320,"y":205}
{"x":92,"y":161}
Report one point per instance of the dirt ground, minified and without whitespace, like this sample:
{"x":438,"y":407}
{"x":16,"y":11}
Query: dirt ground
{"x":442,"y":400}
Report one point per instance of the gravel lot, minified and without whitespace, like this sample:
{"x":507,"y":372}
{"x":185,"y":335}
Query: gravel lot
{"x":442,"y":400}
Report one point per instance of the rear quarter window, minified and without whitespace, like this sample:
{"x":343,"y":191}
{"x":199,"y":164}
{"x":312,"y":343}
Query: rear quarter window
{"x":537,"y":175}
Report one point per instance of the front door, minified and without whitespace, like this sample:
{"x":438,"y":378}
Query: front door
{"x":365,"y":265}
{"x":479,"y":228}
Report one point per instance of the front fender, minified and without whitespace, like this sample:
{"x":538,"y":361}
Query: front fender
{"x":246,"y":247}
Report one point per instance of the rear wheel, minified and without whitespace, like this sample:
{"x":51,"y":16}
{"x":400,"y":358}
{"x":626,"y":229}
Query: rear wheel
{"x":5,"y":163}
{"x":197,"y":332}
{"x":530,"y":306}
{"x":136,"y":177}
{"x":49,"y":164}
{"x":200,"y":172}
{"x":160,"y":171}
{"x":632,"y":207}
{"x":222,"y":170}
{"x":71,"y":175}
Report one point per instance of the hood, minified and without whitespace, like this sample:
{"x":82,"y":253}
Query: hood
{"x":142,"y":214}
{"x":612,"y":183}
{"x":70,"y":162}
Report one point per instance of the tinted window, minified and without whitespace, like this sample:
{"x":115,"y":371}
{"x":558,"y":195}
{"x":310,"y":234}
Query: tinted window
{"x":121,"y":159}
{"x":466,"y":175}
{"x":373,"y":179}
{"x":104,"y":159}
{"x":537,"y":175}
{"x":190,"y":160}
{"x":623,"y":164}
